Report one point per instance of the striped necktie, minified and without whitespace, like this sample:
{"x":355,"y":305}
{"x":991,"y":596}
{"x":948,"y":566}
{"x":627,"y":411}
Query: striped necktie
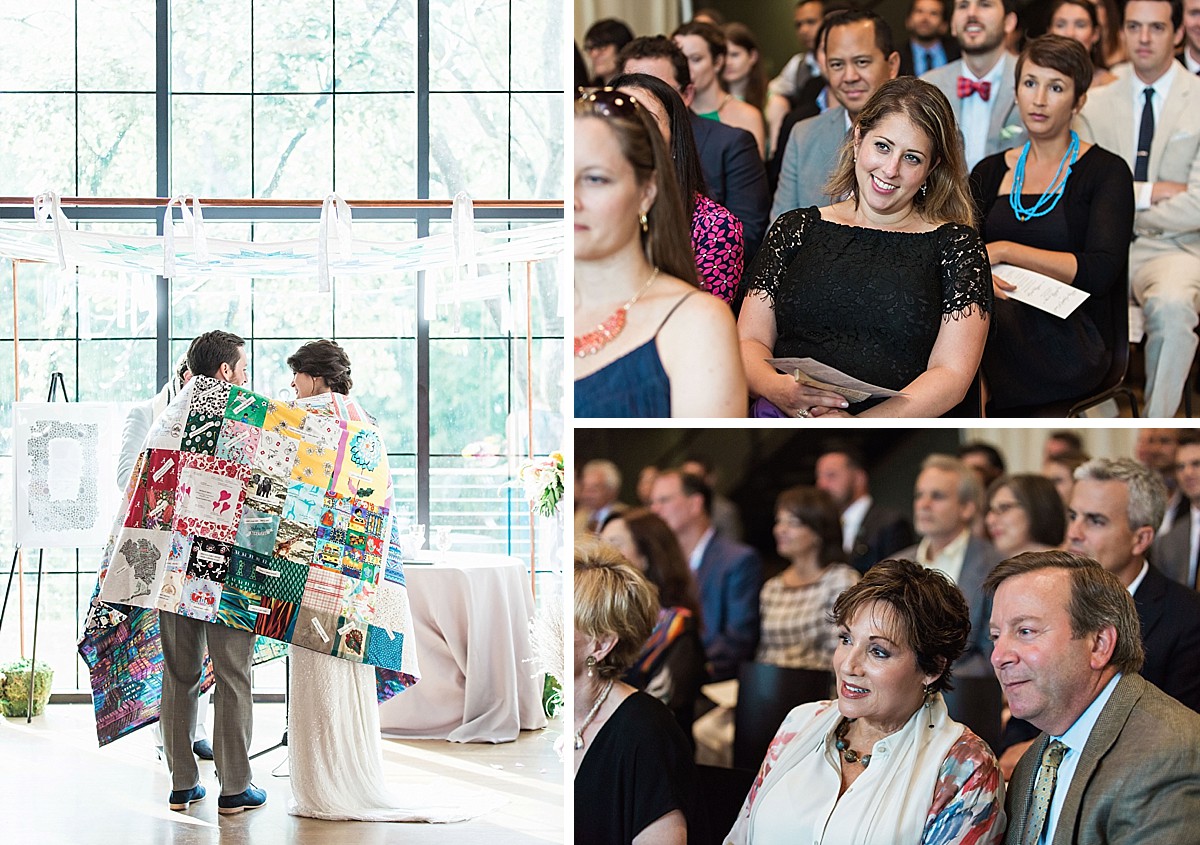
{"x":1043,"y":790}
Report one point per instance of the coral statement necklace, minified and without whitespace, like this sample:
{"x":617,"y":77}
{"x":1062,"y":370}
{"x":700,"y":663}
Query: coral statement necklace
{"x":589,"y":343}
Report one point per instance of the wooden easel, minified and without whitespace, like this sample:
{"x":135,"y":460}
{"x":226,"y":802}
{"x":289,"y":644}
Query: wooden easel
{"x":56,"y":379}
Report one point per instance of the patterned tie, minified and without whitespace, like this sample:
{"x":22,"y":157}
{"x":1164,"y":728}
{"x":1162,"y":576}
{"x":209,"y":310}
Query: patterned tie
{"x":1043,"y":790}
{"x":929,"y":65}
{"x":967,"y":87}
{"x":1141,"y":167}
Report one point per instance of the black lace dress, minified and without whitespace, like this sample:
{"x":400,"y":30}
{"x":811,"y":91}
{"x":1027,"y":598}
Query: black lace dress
{"x":866,"y":301}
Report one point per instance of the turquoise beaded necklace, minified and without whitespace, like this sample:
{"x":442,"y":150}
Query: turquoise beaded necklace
{"x":1049,"y":199}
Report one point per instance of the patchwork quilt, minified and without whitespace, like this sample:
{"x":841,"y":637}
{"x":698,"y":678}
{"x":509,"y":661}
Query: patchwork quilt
{"x":266,"y":516}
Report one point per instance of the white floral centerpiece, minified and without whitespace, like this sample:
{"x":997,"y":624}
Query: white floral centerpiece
{"x":543,"y":480}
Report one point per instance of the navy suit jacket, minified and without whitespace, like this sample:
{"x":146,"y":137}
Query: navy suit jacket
{"x":883,"y":532}
{"x":1170,"y":616}
{"x":729,"y":579}
{"x":735,"y":176}
{"x":908,"y":67}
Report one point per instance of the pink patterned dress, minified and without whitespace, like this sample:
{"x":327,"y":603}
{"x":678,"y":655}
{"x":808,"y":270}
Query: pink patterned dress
{"x":719,"y":246}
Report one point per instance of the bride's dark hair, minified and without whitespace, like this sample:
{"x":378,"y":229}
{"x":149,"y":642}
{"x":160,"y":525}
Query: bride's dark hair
{"x":326,"y":360}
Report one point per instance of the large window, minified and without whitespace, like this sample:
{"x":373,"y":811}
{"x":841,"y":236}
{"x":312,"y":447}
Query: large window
{"x":290,"y":99}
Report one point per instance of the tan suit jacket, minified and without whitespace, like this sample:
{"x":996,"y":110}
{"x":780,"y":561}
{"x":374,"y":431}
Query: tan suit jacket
{"x":1108,"y":119}
{"x":1137,"y":781}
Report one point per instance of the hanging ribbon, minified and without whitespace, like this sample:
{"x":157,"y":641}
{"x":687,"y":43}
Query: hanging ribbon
{"x":193,"y":225}
{"x":337,"y":208}
{"x":46,"y":208}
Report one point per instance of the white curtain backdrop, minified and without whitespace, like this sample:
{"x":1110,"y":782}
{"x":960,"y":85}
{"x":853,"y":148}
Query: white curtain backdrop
{"x":645,"y":17}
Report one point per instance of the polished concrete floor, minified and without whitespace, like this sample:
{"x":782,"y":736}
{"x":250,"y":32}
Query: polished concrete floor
{"x":57,"y":786}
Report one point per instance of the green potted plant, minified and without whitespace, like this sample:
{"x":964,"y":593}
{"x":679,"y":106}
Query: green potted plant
{"x":14,"y":687}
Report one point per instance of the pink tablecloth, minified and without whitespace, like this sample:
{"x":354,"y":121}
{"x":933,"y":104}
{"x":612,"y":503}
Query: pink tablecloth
{"x":471,"y":614}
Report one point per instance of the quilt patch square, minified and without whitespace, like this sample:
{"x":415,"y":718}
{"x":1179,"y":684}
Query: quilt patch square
{"x":200,"y":600}
{"x":137,"y":566}
{"x":285,"y":580}
{"x":209,"y":559}
{"x":200,"y":433}
{"x":276,"y":453}
{"x":257,"y":530}
{"x":315,"y":629}
{"x":284,"y":419}
{"x":246,"y":407}
{"x":248,"y":565}
{"x":324,"y":591}
{"x":351,"y":643}
{"x":235,"y":610}
{"x":210,"y":396}
{"x":353,"y":561}
{"x":295,"y":541}
{"x":384,"y":648}
{"x":391,"y":606}
{"x":304,"y":502}
{"x":277,"y":622}
{"x":238,"y":442}
{"x":328,"y":554}
{"x":209,"y":497}
{"x":265,"y":492}
{"x":179,"y":552}
{"x":170,"y":593}
{"x":358,"y":600}
{"x":361,"y":470}
{"x":313,"y":463}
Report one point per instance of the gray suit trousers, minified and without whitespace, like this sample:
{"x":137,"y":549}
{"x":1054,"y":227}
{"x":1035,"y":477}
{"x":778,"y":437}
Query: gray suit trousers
{"x":231,"y":650}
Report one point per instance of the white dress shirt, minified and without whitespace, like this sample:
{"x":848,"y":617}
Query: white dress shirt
{"x":852,"y":520}
{"x":976,"y":120}
{"x":1074,"y":738}
{"x":1191,"y":64}
{"x":949,"y":559}
{"x":701,"y":547}
{"x":1162,"y":87}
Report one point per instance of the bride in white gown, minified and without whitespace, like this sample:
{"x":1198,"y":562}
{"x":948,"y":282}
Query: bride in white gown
{"x":334,"y":744}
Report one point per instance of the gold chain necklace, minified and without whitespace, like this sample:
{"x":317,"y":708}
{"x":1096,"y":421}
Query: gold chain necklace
{"x":589,"y":343}
{"x":587,"y":720}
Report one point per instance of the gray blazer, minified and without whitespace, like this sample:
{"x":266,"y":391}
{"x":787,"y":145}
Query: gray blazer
{"x":810,"y":157}
{"x":1005,"y":129}
{"x":1137,"y":780}
{"x":1108,"y":118}
{"x":980,"y":559}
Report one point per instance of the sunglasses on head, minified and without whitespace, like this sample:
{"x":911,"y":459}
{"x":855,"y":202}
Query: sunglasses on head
{"x":609,"y":101}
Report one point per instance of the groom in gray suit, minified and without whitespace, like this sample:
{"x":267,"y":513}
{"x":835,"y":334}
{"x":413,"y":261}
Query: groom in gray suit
{"x":980,"y":85}
{"x":858,"y":55}
{"x":1118,"y":761}
{"x":1151,"y":118}
{"x":220,"y":355}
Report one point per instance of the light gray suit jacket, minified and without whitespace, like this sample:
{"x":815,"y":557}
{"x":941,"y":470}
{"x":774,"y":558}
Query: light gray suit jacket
{"x":980,"y":559}
{"x":1137,"y":780}
{"x":1172,"y":552}
{"x":1005,"y":129}
{"x":810,"y":157}
{"x":1108,"y":119}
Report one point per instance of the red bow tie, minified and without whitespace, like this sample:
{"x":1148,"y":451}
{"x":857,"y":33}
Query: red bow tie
{"x":967,"y":87}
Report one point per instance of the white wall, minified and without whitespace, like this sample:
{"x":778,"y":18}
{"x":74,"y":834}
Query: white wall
{"x":1022,"y":447}
{"x":645,"y":17}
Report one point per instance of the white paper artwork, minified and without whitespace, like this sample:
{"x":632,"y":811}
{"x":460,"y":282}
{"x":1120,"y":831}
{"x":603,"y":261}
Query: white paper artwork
{"x":65,"y":470}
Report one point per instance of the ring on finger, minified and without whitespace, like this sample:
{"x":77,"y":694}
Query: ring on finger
{"x":804,"y":413}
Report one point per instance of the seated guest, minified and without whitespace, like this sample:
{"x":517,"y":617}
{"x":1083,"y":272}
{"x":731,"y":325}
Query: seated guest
{"x":795,"y":605}
{"x":1116,"y":758}
{"x":670,"y":666}
{"x":1025,"y":514}
{"x":743,"y":66}
{"x":890,"y":286}
{"x":871,"y":531}
{"x":634,"y":270}
{"x":1060,"y":469}
{"x":855,"y":48}
{"x":634,"y":774}
{"x":1111,"y":42}
{"x":1079,"y":19}
{"x":931,"y":779}
{"x":733,"y":170}
{"x":716,"y":234}
{"x":705,"y":47}
{"x":1063,"y":208}
{"x":603,"y":42}
{"x":928,"y":46}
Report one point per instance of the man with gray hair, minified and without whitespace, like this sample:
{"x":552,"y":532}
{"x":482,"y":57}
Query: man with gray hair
{"x":1112,"y":518}
{"x":946,"y":499}
{"x":1116,"y":760}
{"x":599,"y":486}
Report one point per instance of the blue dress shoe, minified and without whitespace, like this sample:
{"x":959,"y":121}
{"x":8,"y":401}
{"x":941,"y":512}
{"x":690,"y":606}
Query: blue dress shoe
{"x":202,"y":749}
{"x":248,"y":800}
{"x":181,"y":798}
